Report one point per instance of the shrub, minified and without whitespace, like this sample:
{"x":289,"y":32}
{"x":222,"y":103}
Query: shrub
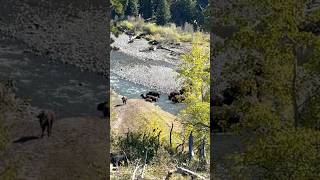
{"x":282,"y":154}
{"x":150,"y":28}
{"x":126,"y":25}
{"x":139,"y":145}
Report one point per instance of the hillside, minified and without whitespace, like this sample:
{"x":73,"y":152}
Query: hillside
{"x":138,"y":115}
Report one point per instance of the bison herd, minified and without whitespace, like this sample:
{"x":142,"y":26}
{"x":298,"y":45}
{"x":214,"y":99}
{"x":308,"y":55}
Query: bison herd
{"x":175,"y":96}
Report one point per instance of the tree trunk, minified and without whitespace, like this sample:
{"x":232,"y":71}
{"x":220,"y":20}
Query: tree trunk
{"x":294,"y":94}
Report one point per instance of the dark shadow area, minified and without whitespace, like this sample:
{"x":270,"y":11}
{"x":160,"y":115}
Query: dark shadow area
{"x":25,"y":139}
{"x":118,"y":105}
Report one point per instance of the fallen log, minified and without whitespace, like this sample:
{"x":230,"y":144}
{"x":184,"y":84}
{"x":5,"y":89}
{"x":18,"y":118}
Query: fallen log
{"x":185,"y":171}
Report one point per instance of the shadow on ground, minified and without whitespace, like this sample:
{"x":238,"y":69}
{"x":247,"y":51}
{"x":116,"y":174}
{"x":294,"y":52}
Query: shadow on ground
{"x":26,"y":139}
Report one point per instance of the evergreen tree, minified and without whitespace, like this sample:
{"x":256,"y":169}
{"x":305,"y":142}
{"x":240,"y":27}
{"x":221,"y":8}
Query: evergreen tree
{"x":146,"y":8}
{"x":162,"y":12}
{"x":116,"y":7}
{"x":132,"y":8}
{"x":183,"y":11}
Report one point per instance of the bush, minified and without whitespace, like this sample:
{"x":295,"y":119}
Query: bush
{"x":150,"y":28}
{"x":126,"y":25}
{"x":281,"y":154}
{"x":138,"y":145}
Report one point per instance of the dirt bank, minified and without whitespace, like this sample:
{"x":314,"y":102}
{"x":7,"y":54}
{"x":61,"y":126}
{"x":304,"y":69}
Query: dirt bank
{"x":76,"y":149}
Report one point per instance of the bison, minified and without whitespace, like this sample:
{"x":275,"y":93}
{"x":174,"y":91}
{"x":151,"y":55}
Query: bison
{"x":104,"y":108}
{"x":173,"y":93}
{"x":153,"y":93}
{"x":148,"y":100}
{"x":118,"y":159}
{"x":124,"y":100}
{"x":153,"y":98}
{"x":178,"y":98}
{"x":46,"y":119}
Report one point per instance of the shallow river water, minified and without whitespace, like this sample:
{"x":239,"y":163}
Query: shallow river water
{"x":127,"y":85}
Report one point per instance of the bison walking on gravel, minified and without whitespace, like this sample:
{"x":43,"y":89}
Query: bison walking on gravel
{"x":46,"y":119}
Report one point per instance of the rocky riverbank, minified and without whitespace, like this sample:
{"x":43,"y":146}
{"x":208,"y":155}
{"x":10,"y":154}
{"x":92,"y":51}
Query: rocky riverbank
{"x":67,"y":34}
{"x":156,"y":69}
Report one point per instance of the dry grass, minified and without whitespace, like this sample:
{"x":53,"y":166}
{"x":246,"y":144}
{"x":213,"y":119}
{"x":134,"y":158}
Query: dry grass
{"x":141,"y":116}
{"x":165,"y":34}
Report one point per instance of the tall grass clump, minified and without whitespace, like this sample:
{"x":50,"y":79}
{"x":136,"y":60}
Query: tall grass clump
{"x":165,"y":34}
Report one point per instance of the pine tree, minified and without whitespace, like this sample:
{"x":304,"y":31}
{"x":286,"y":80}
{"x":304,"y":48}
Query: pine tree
{"x":116,"y":7}
{"x":146,"y":8}
{"x":162,"y":12}
{"x":183,"y":11}
{"x":132,"y":8}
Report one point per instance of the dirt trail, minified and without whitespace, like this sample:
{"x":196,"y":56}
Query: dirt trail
{"x":76,"y":149}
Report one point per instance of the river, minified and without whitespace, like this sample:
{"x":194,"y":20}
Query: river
{"x":128,"y":86}
{"x":62,"y":87}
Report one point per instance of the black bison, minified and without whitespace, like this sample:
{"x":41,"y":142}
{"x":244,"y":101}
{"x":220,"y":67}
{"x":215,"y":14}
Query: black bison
{"x":173,"y":93}
{"x":104,"y":108}
{"x":149,"y":100}
{"x":153,"y":93}
{"x":176,"y":92}
{"x":182,"y":90}
{"x":118,"y":159}
{"x":178,"y":98}
{"x":153,"y":98}
{"x":46,"y":119}
{"x":124,"y":100}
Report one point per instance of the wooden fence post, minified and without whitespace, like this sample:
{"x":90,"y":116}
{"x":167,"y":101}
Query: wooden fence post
{"x":171,"y":136}
{"x":190,"y":146}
